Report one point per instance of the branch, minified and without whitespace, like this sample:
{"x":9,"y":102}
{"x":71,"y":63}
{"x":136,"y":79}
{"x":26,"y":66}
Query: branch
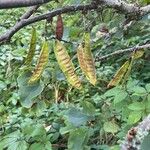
{"x":118,"y":5}
{"x":20,"y":3}
{"x":125,"y":8}
{"x":29,"y":12}
{"x":6,"y":37}
{"x":136,"y":135}
{"x":121,"y":52}
{"x":24,"y":22}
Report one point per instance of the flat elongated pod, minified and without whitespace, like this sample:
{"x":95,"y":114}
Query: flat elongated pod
{"x":59,"y":28}
{"x":119,"y":75}
{"x":66,"y":65}
{"x":32,"y":48}
{"x":80,"y":55}
{"x":128,"y":71}
{"x":137,"y":54}
{"x":89,"y":61}
{"x":43,"y":59}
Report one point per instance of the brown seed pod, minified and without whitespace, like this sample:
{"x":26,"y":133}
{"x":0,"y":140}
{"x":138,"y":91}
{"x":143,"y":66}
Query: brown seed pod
{"x":59,"y":28}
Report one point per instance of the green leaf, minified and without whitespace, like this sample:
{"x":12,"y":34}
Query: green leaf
{"x":148,"y":87}
{"x":148,"y":97}
{"x":19,"y":145}
{"x":134,"y":117}
{"x":10,"y":139}
{"x":139,"y":90}
{"x":120,"y":96}
{"x":3,"y":85}
{"x":115,"y":147}
{"x":77,"y":117}
{"x":137,"y":106}
{"x":111,"y":127}
{"x":66,"y":129}
{"x":48,"y":146}
{"x":37,"y":146}
{"x":88,"y":108}
{"x":27,"y":129}
{"x":39,"y":130}
{"x":112,"y":92}
{"x":28,"y":92}
{"x":32,"y":130}
{"x":78,"y":139}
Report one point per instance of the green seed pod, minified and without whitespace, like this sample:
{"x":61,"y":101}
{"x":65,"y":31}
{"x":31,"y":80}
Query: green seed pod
{"x":32,"y":48}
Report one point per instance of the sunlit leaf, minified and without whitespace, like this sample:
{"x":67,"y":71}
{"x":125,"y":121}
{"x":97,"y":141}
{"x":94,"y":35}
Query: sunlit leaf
{"x":111,"y":127}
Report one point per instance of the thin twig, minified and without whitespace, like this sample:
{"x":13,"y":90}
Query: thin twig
{"x":121,"y":52}
{"x":29,"y":12}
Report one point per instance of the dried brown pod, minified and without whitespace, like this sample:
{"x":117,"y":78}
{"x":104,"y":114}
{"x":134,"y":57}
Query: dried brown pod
{"x":59,"y":27}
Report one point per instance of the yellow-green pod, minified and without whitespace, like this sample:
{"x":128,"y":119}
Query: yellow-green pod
{"x":66,"y":65}
{"x":119,"y":75}
{"x":80,"y":55}
{"x":32,"y":48}
{"x":137,"y":54}
{"x":43,"y":59}
{"x":89,"y":61}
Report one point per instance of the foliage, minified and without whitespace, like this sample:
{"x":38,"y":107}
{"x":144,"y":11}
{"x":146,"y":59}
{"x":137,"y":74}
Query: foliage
{"x":50,"y":114}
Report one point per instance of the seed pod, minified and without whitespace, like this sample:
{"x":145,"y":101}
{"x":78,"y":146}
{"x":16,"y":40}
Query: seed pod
{"x":32,"y":48}
{"x":119,"y":75}
{"x":137,"y":54}
{"x":80,"y":55}
{"x":43,"y":59}
{"x":66,"y":65}
{"x":59,"y":28}
{"x":89,"y":61}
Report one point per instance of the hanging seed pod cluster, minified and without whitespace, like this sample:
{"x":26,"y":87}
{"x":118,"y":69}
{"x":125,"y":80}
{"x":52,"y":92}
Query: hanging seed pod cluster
{"x":42,"y":61}
{"x":85,"y":60}
{"x":84,"y":54}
